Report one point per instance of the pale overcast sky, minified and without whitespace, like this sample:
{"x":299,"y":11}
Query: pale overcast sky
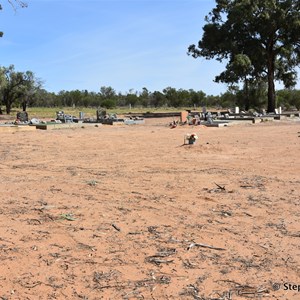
{"x":125,"y":44}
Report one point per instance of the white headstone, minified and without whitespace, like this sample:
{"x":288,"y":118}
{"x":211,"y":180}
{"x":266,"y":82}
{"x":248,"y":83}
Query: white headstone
{"x":237,"y":110}
{"x":279,"y":110}
{"x":276,"y":111}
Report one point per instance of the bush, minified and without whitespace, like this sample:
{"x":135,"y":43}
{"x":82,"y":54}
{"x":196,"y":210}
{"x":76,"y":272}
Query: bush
{"x":108,"y":103}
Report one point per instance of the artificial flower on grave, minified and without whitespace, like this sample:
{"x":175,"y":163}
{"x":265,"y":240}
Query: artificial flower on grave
{"x":191,"y":137}
{"x":194,"y":136}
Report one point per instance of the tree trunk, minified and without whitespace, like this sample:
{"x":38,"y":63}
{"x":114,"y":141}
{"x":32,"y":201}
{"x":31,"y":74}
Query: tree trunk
{"x":7,"y":106}
{"x":8,"y":109}
{"x":7,"y":102}
{"x":247,"y":96}
{"x":271,"y":85}
{"x":24,"y":105}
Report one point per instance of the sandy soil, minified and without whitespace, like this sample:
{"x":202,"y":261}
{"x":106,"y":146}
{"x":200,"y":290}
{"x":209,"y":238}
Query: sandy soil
{"x":127,"y":212}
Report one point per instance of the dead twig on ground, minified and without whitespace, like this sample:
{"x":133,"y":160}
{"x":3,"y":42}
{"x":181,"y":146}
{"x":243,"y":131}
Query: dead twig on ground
{"x":68,"y":217}
{"x":92,"y":182}
{"x":34,"y":222}
{"x":246,"y":290}
{"x":157,"y":260}
{"x":116,"y":227}
{"x":220,"y":187}
{"x":29,"y":286}
{"x":165,"y":252}
{"x":204,"y":246}
{"x":188,"y":265}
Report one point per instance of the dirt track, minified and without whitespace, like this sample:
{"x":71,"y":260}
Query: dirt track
{"x":126,"y":212}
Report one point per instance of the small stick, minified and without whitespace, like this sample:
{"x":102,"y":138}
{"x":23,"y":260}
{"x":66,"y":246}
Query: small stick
{"x":220,"y":187}
{"x":116,"y":227}
{"x":203,"y":246}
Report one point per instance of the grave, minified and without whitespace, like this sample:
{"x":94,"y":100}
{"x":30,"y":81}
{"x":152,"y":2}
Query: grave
{"x":183,"y":116}
{"x":107,"y":119}
{"x":64,"y":118}
{"x":22,"y":116}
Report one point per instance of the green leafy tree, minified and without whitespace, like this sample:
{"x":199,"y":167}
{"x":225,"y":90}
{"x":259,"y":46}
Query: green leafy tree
{"x":212,"y":101}
{"x":29,"y":90}
{"x":76,"y":97}
{"x":107,"y":92}
{"x":184,"y":98}
{"x":295,"y":99}
{"x":64,"y":98}
{"x":42,"y":98}
{"x":91,"y":99}
{"x":16,"y":86}
{"x":2,"y":84}
{"x":197,"y":98}
{"x":252,"y":95}
{"x":108,"y":103}
{"x":289,"y":98}
{"x":228,"y":99}
{"x":144,"y":97}
{"x":131,"y":98}
{"x":108,"y":96}
{"x":259,"y":39}
{"x":171,"y":95}
{"x":158,"y":99}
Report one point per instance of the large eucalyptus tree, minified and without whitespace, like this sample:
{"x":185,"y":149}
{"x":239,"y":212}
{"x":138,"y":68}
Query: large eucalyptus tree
{"x":17,"y":86}
{"x":259,"y":39}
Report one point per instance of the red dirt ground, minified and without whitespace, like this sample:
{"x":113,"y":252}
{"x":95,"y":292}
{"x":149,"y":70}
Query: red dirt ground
{"x":127,"y":212}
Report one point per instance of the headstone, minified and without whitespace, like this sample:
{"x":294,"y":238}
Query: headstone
{"x":183,"y":116}
{"x":22,"y":116}
{"x":204,"y":109}
{"x":209,"y":118}
{"x":276,"y":111}
{"x":236,"y":110}
{"x":101,"y":113}
{"x":279,"y":110}
{"x":64,"y":118}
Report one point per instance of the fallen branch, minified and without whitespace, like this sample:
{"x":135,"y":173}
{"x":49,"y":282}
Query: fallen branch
{"x":204,"y":246}
{"x":157,"y":260}
{"x":220,"y":187}
{"x":29,"y":286}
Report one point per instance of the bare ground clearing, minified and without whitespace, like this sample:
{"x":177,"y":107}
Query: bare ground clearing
{"x":126,"y":212}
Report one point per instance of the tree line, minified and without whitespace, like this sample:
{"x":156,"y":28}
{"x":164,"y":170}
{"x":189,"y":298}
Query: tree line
{"x":23,"y":89}
{"x":258,"y":39}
